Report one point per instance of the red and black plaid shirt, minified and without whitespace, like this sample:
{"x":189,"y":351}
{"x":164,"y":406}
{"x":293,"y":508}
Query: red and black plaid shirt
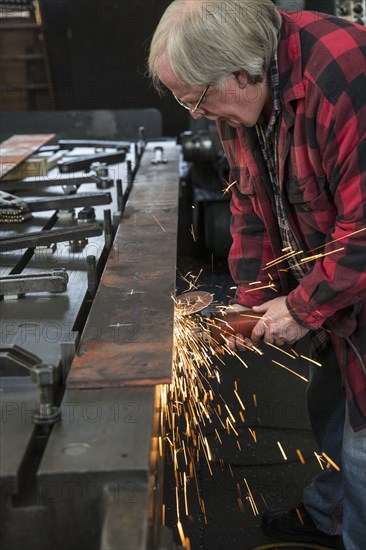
{"x":322,"y":178}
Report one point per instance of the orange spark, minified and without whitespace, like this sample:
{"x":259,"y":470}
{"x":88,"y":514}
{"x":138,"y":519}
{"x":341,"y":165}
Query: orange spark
{"x":299,"y":454}
{"x":330,"y":461}
{"x":311,"y":360}
{"x":290,"y":370}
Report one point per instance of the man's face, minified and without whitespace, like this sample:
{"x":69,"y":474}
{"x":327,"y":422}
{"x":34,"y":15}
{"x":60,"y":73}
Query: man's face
{"x":237,"y":102}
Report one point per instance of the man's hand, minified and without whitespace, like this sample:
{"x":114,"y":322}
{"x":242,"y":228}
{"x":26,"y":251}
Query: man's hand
{"x":277,"y":326}
{"x":238,"y":341}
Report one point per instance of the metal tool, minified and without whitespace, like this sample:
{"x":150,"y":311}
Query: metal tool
{"x":53,"y":281}
{"x":193,"y":302}
{"x":31,"y":183}
{"x":74,"y":163}
{"x":50,"y":236}
{"x":221,"y":324}
{"x":70,"y":201}
{"x":14,"y":209}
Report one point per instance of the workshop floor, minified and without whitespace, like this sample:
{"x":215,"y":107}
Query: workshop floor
{"x":257,"y":472}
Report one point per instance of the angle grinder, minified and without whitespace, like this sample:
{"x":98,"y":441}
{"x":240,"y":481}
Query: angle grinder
{"x":219,"y":325}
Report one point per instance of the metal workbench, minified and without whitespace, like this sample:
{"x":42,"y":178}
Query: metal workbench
{"x":93,"y":479}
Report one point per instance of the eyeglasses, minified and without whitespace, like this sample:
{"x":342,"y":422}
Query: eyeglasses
{"x":188,"y":105}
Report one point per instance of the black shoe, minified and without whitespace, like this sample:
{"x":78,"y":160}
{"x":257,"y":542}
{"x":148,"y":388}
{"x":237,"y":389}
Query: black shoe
{"x":297,"y":525}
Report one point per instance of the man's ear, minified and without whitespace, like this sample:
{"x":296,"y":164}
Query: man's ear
{"x":242,"y":80}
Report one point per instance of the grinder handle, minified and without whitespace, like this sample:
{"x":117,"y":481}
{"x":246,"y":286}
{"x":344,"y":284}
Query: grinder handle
{"x":229,"y":324}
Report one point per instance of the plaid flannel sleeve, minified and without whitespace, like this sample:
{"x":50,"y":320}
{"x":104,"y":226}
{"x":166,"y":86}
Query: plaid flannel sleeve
{"x":338,"y":278}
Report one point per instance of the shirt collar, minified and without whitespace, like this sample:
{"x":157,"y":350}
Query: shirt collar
{"x":274,"y":82}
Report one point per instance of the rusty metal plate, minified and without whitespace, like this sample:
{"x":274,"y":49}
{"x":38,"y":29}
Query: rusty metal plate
{"x":128,"y":337}
{"x":16,"y":149}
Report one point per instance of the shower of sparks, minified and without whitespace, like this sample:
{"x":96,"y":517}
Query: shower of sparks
{"x":193,"y":409}
{"x":314,"y":257}
{"x":192,"y":397}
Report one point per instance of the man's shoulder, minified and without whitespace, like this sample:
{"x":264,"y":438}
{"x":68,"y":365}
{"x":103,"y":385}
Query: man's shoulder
{"x":321,"y":31}
{"x":331,"y":50}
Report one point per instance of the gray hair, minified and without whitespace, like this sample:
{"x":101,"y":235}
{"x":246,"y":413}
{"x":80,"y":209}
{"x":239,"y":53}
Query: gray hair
{"x":205,"y":41}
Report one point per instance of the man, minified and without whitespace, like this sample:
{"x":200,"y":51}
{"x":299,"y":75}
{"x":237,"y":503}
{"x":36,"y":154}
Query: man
{"x":287,"y":92}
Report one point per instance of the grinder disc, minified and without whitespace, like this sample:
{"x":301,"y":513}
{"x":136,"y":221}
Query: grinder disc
{"x":193,"y":301}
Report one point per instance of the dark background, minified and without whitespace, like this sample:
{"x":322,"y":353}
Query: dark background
{"x":97,"y":52}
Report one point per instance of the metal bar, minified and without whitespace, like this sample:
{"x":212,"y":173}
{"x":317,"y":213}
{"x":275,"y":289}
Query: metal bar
{"x":70,"y":201}
{"x":71,"y":143}
{"x":91,"y":266}
{"x":84,"y":162}
{"x":30,"y":183}
{"x":42,"y":238}
{"x":119,"y":188}
{"x":108,"y":229}
{"x":130,"y":178}
{"x":53,"y":281}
